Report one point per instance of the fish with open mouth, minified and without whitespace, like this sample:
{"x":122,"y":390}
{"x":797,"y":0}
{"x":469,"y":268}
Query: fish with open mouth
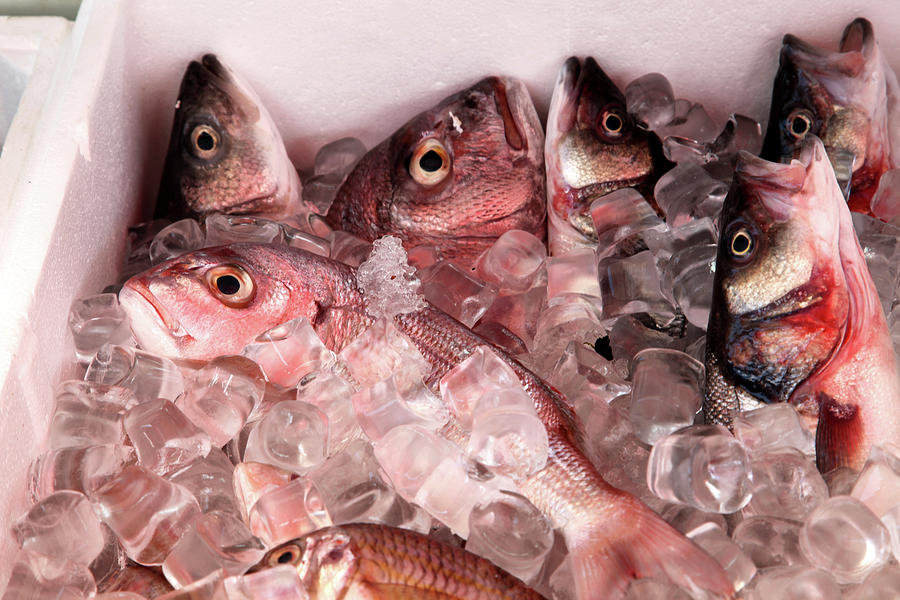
{"x":215,"y":301}
{"x":365,"y":560}
{"x":849,"y":99}
{"x":593,"y":147}
{"x":225,"y":153}
{"x":795,"y":315}
{"x":456,"y":176}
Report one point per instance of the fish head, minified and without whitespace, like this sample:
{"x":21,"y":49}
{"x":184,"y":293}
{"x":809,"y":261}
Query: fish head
{"x":593,"y":147}
{"x":215,"y":301}
{"x":456,"y":176}
{"x":840,"y":97}
{"x":326,"y":561}
{"x":779,"y":299}
{"x":225,"y":153}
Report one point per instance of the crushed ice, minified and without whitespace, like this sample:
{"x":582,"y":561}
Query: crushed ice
{"x":389,"y":284}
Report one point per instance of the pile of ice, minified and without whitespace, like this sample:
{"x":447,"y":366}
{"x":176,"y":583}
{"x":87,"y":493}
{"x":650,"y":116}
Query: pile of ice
{"x":199,"y":468}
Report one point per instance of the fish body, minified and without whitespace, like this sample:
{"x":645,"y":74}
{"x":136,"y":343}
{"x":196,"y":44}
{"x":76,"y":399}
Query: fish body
{"x":849,"y":99}
{"x":456,"y":176}
{"x":593,"y":147}
{"x":225,"y":153}
{"x":611,"y":535}
{"x":365,"y":560}
{"x":795,"y":315}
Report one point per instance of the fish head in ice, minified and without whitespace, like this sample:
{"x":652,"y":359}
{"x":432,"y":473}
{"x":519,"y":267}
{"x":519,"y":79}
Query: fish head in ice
{"x":225,"y":153}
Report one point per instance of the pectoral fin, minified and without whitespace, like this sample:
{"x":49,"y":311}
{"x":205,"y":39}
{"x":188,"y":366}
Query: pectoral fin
{"x":839,"y":435}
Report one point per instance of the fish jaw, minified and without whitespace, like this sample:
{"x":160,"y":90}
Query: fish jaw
{"x":584,"y":159}
{"x":494,"y":181}
{"x":246,"y":169}
{"x":851,"y":98}
{"x":800,"y":321}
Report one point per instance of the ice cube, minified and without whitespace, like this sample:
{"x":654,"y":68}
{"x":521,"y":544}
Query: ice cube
{"x":507,"y":436}
{"x":770,"y":541}
{"x":163,"y":437}
{"x":456,"y":292}
{"x":306,"y":241}
{"x":423,"y":256}
{"x":663,"y":243}
{"x":408,"y":454}
{"x":632,"y":285}
{"x":348,"y":249}
{"x":389,"y":284}
{"x":688,"y":192}
{"x":276,"y":583}
{"x":36,"y":576}
{"x":511,"y":533}
{"x":216,"y":540}
{"x":210,"y":587}
{"x":220,"y":396}
{"x":88,"y":414}
{"x":231,"y":229}
{"x":786,"y":484}
{"x":651,"y":589}
{"x":844,"y":537}
{"x":690,"y":121}
{"x":147,"y":375}
{"x":287,"y":512}
{"x":289,"y":352}
{"x":81,"y":469}
{"x":574,"y":272}
{"x":773,"y":426}
{"x":339,"y":156}
{"x":210,"y":480}
{"x":332,"y":395}
{"x":95,"y":321}
{"x":703,"y":466}
{"x":799,"y":582}
{"x":622,"y":219}
{"x":463,"y":385}
{"x":580,"y":370}
{"x":176,"y":239}
{"x":691,"y":272}
{"x":884,"y":583}
{"x":885,"y":203}
{"x":685,"y":518}
{"x":650,"y":100}
{"x":148,"y":514}
{"x":840,"y":481}
{"x":62,"y":525}
{"x":666,"y":394}
{"x":517,"y":313}
{"x":880,"y":243}
{"x":319,"y":191}
{"x":394,"y":402}
{"x":561,"y":324}
{"x":512,"y":263}
{"x":738,"y":566}
{"x":292,"y":435}
{"x":380,"y":351}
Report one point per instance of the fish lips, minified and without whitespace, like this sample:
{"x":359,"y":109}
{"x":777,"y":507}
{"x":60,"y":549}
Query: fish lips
{"x":156,"y":329}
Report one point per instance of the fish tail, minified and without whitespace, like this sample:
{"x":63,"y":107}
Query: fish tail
{"x":604,"y":561}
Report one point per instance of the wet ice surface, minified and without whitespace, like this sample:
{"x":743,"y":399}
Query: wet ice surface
{"x":198,"y":469}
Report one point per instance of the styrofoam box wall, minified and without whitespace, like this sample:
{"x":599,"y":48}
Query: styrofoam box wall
{"x":324,"y":70}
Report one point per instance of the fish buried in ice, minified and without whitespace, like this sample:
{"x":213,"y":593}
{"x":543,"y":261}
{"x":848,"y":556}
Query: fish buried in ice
{"x":225,"y":153}
{"x":456,"y":176}
{"x":849,"y":99}
{"x":365,"y":560}
{"x":795,"y":315}
{"x":216,"y":301}
{"x":593,"y":147}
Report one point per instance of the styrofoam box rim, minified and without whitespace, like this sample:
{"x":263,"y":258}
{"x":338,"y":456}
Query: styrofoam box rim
{"x":324,"y":71}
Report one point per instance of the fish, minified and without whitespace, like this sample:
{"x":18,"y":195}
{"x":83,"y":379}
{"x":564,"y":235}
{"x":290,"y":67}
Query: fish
{"x":367,"y":560}
{"x":795,"y":315}
{"x":225,"y":153}
{"x":456,"y":176}
{"x":593,"y":147}
{"x":848,"y":99}
{"x":215,"y":301}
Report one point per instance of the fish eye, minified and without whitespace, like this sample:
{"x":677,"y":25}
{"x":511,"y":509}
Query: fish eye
{"x":612,"y":123}
{"x":741,"y":243}
{"x":205,"y":141}
{"x":231,"y":285}
{"x":799,"y":124}
{"x":429,"y":163}
{"x":286,"y":555}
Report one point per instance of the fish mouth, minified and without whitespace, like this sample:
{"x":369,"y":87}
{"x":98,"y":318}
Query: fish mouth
{"x":137,"y":295}
{"x":207,"y":70}
{"x":516,"y":109}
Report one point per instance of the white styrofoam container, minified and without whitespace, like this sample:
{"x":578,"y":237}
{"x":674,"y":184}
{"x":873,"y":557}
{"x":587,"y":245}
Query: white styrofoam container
{"x":324,"y":70}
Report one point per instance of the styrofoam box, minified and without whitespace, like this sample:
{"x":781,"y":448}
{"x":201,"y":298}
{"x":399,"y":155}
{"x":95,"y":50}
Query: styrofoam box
{"x":324,"y":70}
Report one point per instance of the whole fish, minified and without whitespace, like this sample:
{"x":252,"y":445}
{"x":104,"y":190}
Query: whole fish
{"x":849,"y":99}
{"x":215,"y":301}
{"x":795,"y":315}
{"x":225,"y":153}
{"x":456,"y":176}
{"x":593,"y":147}
{"x":365,"y":560}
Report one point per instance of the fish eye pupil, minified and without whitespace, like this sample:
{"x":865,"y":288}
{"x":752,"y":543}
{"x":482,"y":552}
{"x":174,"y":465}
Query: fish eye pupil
{"x":285,"y":557}
{"x":740,"y":243}
{"x":205,"y":141}
{"x":799,"y":126}
{"x":612,"y":122}
{"x":228,"y":285}
{"x":431,"y":161}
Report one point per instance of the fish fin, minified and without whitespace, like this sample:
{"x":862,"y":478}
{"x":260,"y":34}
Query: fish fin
{"x":838,"y":435}
{"x":648,"y":547}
